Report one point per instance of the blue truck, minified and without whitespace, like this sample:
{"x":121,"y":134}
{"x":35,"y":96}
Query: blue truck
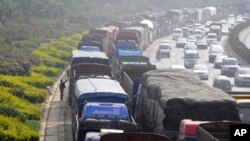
{"x":98,"y":103}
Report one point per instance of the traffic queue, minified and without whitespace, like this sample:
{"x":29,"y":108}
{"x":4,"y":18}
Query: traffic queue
{"x":106,"y":70}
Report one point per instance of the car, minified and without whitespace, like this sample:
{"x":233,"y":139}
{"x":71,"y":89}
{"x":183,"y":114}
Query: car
{"x":218,"y":61}
{"x":199,"y":34}
{"x":214,"y":43}
{"x":166,"y":41}
{"x":214,"y":51}
{"x":239,"y":18}
{"x":197,"y":25}
{"x":177,"y":67}
{"x":202,"y":44}
{"x":185,"y":31}
{"x":190,"y":58}
{"x":191,"y":47}
{"x":181,"y":42}
{"x":192,"y":38}
{"x":207,"y":24}
{"x":223,"y":21}
{"x":177,"y":33}
{"x":190,"y":44}
{"x":242,"y":77}
{"x":222,"y":82}
{"x":211,"y":37}
{"x":164,"y":50}
{"x":229,"y":66}
{"x":202,"y":71}
{"x":225,"y":31}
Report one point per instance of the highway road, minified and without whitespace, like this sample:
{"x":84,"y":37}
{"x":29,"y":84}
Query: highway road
{"x":176,"y":58}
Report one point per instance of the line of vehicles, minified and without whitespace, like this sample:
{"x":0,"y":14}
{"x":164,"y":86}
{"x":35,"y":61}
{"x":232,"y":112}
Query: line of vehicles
{"x":106,"y":72}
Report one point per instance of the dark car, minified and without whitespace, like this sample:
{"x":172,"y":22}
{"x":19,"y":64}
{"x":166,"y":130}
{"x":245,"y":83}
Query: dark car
{"x":222,"y":82}
{"x":201,"y":44}
{"x":229,"y":66}
{"x":242,"y":77}
{"x":190,"y":58}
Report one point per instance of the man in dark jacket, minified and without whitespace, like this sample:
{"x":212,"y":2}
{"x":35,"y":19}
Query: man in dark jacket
{"x":62,"y":86}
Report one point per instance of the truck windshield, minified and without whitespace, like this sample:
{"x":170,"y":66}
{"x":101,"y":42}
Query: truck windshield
{"x":105,"y":111}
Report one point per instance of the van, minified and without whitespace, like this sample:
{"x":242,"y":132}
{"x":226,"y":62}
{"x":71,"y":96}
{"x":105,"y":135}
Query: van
{"x":190,"y":58}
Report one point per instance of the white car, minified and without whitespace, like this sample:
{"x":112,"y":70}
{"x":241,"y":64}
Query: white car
{"x":177,"y":67}
{"x":164,"y":50}
{"x":192,"y":38}
{"x":181,"y":42}
{"x":214,"y":51}
{"x":199,"y":34}
{"x":211,"y":37}
{"x":177,"y":33}
{"x":225,"y":31}
{"x":166,"y":41}
{"x":202,"y":71}
{"x":242,"y":77}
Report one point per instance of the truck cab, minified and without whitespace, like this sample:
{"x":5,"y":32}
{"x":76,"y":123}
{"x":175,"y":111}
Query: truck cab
{"x":187,"y":130}
{"x":99,"y":115}
{"x":216,"y":28}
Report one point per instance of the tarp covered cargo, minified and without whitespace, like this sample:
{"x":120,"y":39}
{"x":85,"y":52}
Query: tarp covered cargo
{"x":168,"y":96}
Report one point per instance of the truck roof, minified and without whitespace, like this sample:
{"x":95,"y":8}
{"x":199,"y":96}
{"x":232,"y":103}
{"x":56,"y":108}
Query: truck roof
{"x":80,"y":53}
{"x":105,"y":111}
{"x":99,"y":87}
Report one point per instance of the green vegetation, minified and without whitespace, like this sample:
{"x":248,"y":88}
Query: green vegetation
{"x":235,"y":42}
{"x":21,"y":95}
{"x":33,"y":125}
{"x":11,"y":129}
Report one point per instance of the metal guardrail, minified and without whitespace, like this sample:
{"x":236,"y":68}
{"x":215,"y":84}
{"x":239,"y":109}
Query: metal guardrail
{"x":239,"y":95}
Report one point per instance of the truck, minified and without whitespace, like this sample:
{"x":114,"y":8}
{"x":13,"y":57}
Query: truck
{"x":96,"y":116}
{"x":92,"y":40}
{"x":126,"y":48}
{"x":216,"y":28}
{"x":243,"y":102}
{"x":216,"y":131}
{"x":128,"y":61}
{"x":119,"y":135}
{"x":99,"y":90}
{"x":150,"y":26}
{"x":131,"y":81}
{"x":84,"y":57}
{"x":133,"y":137}
{"x":143,"y":35}
{"x":170,"y":95}
{"x":187,"y":130}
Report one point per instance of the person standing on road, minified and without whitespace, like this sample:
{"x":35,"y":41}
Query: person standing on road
{"x":62,"y":86}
